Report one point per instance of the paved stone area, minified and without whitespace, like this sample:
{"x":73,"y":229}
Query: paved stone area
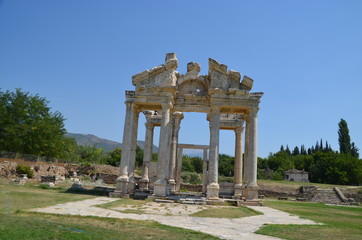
{"x":224,"y":228}
{"x":173,"y":209}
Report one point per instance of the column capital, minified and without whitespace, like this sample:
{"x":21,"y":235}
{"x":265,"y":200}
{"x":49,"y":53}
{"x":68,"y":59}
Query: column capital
{"x":167,"y":105}
{"x":129,"y":103}
{"x":253,"y":112}
{"x":239,"y":130}
{"x":215,"y":110}
{"x":149,"y":125}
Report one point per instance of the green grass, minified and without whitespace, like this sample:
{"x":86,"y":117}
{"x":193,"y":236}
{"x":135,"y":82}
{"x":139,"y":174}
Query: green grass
{"x":123,"y":202}
{"x":134,"y":211}
{"x":339,"y":222}
{"x":14,"y":197}
{"x":17,"y":224}
{"x":42,"y":226}
{"x":230,"y":212}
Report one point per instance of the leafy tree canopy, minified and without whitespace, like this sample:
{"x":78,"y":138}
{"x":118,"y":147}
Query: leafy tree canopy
{"x":27,"y":125}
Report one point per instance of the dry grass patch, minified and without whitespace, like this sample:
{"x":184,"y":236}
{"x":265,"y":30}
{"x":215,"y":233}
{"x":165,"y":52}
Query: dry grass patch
{"x":226,"y":212}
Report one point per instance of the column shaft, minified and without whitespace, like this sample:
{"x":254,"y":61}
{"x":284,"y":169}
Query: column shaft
{"x":122,"y":180}
{"x":147,"y":155}
{"x":252,"y":158}
{"x":127,"y":133}
{"x":164,"y":152}
{"x":253,"y":146}
{"x":213,"y":186}
{"x":178,"y":169}
{"x":133,"y":143}
{"x":174,"y":141}
{"x":238,"y":163}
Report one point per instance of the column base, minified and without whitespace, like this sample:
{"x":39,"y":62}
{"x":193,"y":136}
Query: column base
{"x":243,"y":191}
{"x":118,"y":194}
{"x":251,"y":192}
{"x":171,"y":186}
{"x":144,"y":183}
{"x":122,"y":184}
{"x":160,"y":188}
{"x":131,"y":185}
{"x":238,"y":190}
{"x":213,"y":191}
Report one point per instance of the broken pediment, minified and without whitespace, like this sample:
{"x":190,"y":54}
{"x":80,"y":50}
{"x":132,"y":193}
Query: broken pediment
{"x":226,"y":80}
{"x":219,"y":78}
{"x":164,"y":75}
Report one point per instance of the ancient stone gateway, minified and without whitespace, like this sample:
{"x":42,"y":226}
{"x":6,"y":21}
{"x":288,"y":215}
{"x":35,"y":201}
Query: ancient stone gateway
{"x":162,"y":94}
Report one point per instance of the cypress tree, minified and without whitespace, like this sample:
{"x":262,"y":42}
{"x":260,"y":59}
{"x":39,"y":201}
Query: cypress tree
{"x":344,"y":139}
{"x":281,"y":148}
{"x":296,"y":151}
{"x":354,"y":150}
{"x":321,"y":145}
{"x":287,"y":150}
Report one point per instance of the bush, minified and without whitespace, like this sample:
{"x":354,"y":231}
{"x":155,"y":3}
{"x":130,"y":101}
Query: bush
{"x":191,"y":178}
{"x":44,"y":186}
{"x":24,"y":169}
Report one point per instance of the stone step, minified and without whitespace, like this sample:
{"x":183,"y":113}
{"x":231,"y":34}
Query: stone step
{"x":163,"y":200}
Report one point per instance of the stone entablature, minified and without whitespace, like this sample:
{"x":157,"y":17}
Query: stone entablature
{"x":162,"y":94}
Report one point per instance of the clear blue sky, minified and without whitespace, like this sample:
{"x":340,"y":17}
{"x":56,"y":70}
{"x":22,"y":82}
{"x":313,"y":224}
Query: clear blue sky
{"x":305,"y":55}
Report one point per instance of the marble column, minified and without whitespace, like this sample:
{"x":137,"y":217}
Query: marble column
{"x":252,"y":186}
{"x":213,"y":186}
{"x":238,"y":163}
{"x":160,"y":186}
{"x":122,"y":180}
{"x":246,"y":158}
{"x":176,"y":118}
{"x":147,"y":155}
{"x":204,"y":172}
{"x":132,"y":162}
{"x":178,"y":168}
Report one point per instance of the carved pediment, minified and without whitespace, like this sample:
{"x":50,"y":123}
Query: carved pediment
{"x":161,"y":76}
{"x":226,"y":80}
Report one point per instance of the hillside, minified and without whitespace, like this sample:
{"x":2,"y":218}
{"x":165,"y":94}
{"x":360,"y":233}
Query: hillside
{"x":107,"y":145}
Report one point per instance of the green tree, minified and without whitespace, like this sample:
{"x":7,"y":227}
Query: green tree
{"x":344,"y":139}
{"x":28,"y":126}
{"x":296,"y":151}
{"x":139,"y":156}
{"x":187,"y":165}
{"x":114,"y":157}
{"x":354,"y":150}
{"x":226,"y":165}
{"x":90,"y":154}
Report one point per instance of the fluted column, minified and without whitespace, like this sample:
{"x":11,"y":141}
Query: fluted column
{"x":176,"y":118}
{"x":160,"y":188}
{"x":147,"y":155}
{"x":122,"y":180}
{"x":246,"y":154}
{"x":238,"y":163}
{"x":252,"y":186}
{"x":131,"y":184}
{"x":213,"y":186}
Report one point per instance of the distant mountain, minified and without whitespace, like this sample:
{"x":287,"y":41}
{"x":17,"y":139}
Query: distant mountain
{"x":107,"y":145}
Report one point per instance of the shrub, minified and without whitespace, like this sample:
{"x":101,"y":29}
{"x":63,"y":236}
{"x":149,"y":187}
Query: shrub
{"x":191,"y":178}
{"x":24,"y":169}
{"x":44,"y":186}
